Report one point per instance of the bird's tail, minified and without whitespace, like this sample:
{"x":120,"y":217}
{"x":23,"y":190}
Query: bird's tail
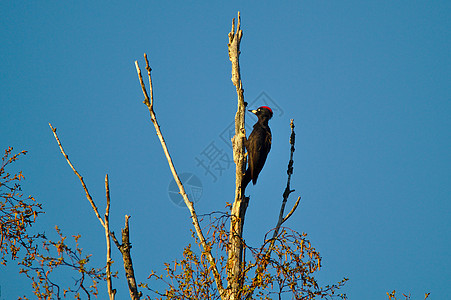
{"x":245,"y":181}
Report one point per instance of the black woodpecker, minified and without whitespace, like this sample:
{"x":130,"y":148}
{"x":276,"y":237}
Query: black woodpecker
{"x":257,"y":145}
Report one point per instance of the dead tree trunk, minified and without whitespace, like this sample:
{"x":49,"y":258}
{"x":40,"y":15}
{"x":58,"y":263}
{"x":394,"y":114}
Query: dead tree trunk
{"x":235,"y":257}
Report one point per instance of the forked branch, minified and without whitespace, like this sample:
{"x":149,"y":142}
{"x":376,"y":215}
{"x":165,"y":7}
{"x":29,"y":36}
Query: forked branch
{"x":124,"y":248}
{"x":148,"y":101}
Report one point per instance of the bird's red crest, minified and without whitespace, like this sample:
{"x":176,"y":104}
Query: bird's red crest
{"x":267,"y":107}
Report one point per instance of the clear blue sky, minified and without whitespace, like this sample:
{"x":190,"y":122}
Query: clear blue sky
{"x":367,"y":83}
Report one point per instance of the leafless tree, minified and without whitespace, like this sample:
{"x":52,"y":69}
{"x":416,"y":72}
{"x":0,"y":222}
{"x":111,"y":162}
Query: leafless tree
{"x":285,"y":263}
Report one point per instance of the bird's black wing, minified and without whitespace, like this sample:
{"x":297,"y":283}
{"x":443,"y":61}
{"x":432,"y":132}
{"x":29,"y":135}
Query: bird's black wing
{"x":258,"y":146}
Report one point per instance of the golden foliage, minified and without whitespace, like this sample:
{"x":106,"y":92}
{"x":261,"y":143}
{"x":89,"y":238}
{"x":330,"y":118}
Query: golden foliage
{"x":392,"y":296}
{"x":17,"y":213}
{"x":285,"y":264}
{"x":39,"y":255}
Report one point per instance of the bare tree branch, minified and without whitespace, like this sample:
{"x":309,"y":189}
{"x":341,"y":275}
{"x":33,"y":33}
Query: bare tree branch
{"x":116,"y":242}
{"x":287,"y":191}
{"x":128,"y":264}
{"x":88,"y":196}
{"x":206,"y":247}
{"x":111,"y":291}
{"x":124,"y":248}
{"x":291,"y":211}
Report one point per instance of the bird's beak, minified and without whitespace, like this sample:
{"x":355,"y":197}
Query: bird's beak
{"x":254,"y":111}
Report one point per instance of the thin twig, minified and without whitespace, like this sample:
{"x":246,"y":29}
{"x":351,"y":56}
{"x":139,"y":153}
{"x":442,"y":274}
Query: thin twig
{"x":206,"y":249}
{"x":149,"y":70}
{"x":116,"y":242}
{"x":88,"y":196}
{"x":291,"y":211}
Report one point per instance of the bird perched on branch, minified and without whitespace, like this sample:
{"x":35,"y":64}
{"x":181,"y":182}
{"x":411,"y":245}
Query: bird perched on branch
{"x":257,"y":145}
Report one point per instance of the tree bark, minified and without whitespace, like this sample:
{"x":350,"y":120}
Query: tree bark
{"x":235,"y":252}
